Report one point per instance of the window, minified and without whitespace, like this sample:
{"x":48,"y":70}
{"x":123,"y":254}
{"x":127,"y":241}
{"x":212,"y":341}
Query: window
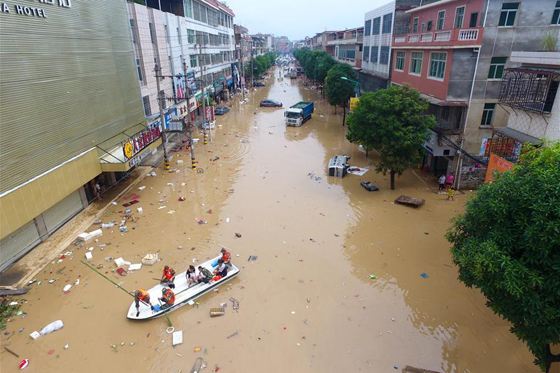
{"x":367,"y":28}
{"x":487,"y":114}
{"x":152,"y":33}
{"x":416,"y":63}
{"x":194,"y":61}
{"x":459,"y":16}
{"x":139,"y":68}
{"x":437,"y":65}
{"x":507,"y":16}
{"x":440,"y":20}
{"x":147,"y":108}
{"x":399,"y":61}
{"x":375,"y":26}
{"x":497,"y":65}
{"x":387,"y":23}
{"x":373,"y":55}
{"x":162,"y":99}
{"x":556,"y":14}
{"x":415,"y":25}
{"x":384,"y":56}
{"x":474,"y":19}
{"x":191,"y":37}
{"x":423,"y":26}
{"x":429,"y":26}
{"x":365,"y":56}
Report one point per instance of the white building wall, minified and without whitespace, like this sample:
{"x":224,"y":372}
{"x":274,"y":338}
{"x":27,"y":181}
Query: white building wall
{"x":540,"y":126}
{"x":378,"y":40}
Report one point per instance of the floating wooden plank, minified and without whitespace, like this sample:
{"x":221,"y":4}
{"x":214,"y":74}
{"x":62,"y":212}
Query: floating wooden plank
{"x":10,"y":290}
{"x":409,"y":369}
{"x":409,"y":201}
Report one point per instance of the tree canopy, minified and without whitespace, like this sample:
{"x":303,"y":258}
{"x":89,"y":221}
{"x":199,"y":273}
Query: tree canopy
{"x":315,"y":63}
{"x":338,"y":90}
{"x":394,"y":122}
{"x":507,"y":244}
{"x":260,"y":64}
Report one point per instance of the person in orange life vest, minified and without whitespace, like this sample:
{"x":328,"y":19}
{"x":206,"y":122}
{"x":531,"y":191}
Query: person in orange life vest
{"x":168,"y":297}
{"x":143,"y":296}
{"x":226,"y":257}
{"x":220,"y":271}
{"x":168,"y":277}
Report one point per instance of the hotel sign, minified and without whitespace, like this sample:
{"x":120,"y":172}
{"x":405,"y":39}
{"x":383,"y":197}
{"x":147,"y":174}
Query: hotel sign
{"x":141,"y":140}
{"x":32,"y":11}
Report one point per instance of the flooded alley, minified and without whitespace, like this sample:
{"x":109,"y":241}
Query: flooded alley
{"x":344,"y":280}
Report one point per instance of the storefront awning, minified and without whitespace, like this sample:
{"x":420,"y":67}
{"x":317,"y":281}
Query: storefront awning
{"x":125,"y":150}
{"x":519,"y":136}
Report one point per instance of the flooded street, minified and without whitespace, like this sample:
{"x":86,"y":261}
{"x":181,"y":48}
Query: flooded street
{"x":308,"y":302}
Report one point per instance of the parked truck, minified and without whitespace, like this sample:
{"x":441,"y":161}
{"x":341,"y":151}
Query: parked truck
{"x":297,"y":114}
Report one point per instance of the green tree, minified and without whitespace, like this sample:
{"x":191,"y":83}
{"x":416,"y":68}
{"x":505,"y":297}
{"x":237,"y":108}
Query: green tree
{"x":394,"y":122}
{"x":338,"y":90}
{"x":507,"y":244}
{"x":315,"y":64}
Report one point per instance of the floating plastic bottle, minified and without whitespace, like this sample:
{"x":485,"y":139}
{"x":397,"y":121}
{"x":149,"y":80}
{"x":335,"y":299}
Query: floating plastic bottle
{"x":52,"y":327}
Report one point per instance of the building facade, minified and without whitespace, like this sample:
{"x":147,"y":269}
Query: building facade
{"x":346,"y":46}
{"x":437,"y":55}
{"x":51,"y":151}
{"x":510,"y":28}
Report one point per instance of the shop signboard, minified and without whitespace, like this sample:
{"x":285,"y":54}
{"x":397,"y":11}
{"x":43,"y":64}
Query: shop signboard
{"x":354,"y":101}
{"x":141,"y":140}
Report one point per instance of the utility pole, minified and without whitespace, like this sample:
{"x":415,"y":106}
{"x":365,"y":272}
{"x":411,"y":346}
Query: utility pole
{"x":203,"y":93}
{"x":252,"y":67}
{"x":157,"y":71}
{"x":188,"y":121}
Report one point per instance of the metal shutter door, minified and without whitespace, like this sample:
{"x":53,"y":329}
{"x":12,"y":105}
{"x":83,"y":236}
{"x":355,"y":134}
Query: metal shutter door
{"x":18,"y":244}
{"x":62,"y":211}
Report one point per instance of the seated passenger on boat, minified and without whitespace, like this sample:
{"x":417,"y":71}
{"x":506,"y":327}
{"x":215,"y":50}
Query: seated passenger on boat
{"x":141,"y":295}
{"x":221,"y":271}
{"x":168,"y":298}
{"x":192,"y":278}
{"x":168,"y":277}
{"x":204,"y":275}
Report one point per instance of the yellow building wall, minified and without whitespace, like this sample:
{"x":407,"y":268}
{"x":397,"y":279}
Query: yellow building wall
{"x":30,"y":200}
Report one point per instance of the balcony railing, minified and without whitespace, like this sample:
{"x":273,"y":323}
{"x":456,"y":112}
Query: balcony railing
{"x":449,"y":37}
{"x":468,"y":34}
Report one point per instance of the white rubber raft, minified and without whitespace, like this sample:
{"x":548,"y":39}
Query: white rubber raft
{"x":183,"y":294}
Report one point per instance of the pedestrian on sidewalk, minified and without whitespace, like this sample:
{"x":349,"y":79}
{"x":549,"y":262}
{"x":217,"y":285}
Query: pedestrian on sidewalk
{"x":441,"y":182}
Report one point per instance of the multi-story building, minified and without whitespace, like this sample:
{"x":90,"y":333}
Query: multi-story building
{"x":65,"y":105}
{"x":346,"y":46}
{"x":511,"y":29}
{"x":258,"y":45}
{"x":282,"y":44}
{"x":437,"y":55}
{"x":243,"y":46}
{"x":196,"y":39}
{"x":378,"y":34}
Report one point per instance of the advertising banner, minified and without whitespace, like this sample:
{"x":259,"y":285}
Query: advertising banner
{"x":496,"y":164}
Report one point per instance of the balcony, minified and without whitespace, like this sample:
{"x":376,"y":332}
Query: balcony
{"x":356,"y":40}
{"x":456,"y":38}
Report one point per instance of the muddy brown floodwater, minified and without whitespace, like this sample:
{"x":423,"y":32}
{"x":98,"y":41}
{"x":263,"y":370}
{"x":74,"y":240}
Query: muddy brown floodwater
{"x":307,"y":304}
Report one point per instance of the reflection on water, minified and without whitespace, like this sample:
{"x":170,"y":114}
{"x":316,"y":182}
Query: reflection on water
{"x":308,"y":303}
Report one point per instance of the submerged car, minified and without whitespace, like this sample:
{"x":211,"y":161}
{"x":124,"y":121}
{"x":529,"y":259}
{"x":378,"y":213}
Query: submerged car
{"x":270,"y":103}
{"x":221,"y":110}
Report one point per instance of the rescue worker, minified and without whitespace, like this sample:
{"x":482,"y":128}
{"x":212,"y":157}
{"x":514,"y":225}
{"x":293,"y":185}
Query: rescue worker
{"x":141,"y":295}
{"x":204,"y":275}
{"x":168,"y":298}
{"x":168,"y":277}
{"x":226,"y":256}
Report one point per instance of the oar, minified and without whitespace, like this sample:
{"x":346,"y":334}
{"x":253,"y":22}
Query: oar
{"x":113,"y":282}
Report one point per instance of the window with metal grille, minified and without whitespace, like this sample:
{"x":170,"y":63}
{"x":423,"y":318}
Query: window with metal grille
{"x":365,"y":56}
{"x":374,"y":53}
{"x":387,"y":23}
{"x":556,"y":14}
{"x":384,"y":56}
{"x":416,"y":63}
{"x":487,"y":114}
{"x":497,"y":65}
{"x":440,"y":20}
{"x":399,"y":61}
{"x":367,"y":28}
{"x":437,"y":65}
{"x":375,"y":26}
{"x":508,"y":14}
{"x":147,"y":107}
{"x":459,"y":17}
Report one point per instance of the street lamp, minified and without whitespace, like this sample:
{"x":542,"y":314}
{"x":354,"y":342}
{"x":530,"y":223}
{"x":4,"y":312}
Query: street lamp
{"x":355,"y":82}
